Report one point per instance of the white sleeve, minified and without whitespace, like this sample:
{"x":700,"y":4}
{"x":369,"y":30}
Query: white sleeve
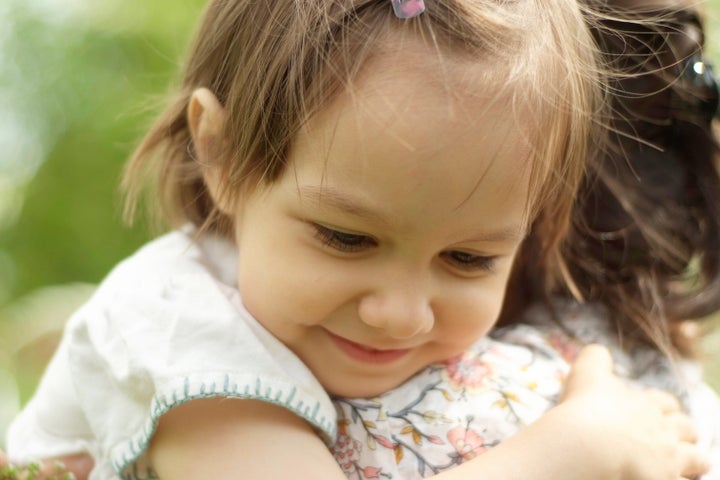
{"x":137,"y":352}
{"x":52,"y":423}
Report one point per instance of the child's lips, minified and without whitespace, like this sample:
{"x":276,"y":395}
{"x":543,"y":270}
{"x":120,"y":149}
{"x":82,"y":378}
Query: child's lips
{"x":366,"y":354}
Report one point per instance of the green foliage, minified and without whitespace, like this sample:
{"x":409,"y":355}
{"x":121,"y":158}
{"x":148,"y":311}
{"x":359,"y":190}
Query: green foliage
{"x":79,"y":82}
{"x":32,"y":471}
{"x":85,"y":86}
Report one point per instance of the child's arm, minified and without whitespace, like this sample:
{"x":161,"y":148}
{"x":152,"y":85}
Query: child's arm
{"x":601,"y":430}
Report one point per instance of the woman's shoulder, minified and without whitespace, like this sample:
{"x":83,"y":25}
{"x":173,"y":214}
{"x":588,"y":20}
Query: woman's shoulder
{"x":566,"y":325}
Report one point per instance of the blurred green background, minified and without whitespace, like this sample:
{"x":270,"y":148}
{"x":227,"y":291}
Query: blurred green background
{"x":79,"y":82}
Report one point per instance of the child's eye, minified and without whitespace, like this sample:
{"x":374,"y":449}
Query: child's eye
{"x":469,"y":262}
{"x":343,"y":241}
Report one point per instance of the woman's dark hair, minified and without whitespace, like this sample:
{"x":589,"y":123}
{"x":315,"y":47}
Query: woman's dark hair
{"x":645,"y":236}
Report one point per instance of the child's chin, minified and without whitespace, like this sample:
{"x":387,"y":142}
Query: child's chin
{"x":367,"y":387}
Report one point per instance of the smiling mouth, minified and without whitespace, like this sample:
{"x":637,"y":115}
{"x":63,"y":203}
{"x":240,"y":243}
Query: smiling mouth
{"x":367,"y":354}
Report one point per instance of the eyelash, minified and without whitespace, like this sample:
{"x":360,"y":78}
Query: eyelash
{"x":469,"y":262}
{"x":343,"y":241}
{"x":353,"y":242}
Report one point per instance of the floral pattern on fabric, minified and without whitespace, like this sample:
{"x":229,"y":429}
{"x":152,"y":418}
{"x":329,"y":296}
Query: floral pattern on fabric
{"x":452,"y":412}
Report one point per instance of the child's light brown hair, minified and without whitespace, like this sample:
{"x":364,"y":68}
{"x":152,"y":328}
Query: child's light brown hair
{"x":273,"y":63}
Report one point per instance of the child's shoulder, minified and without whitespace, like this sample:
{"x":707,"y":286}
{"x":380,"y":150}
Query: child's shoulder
{"x":176,"y":273}
{"x":168,"y":326}
{"x":178,"y":252}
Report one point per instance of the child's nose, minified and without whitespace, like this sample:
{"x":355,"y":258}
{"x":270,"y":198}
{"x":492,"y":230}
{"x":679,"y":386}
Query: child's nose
{"x":402,"y":313}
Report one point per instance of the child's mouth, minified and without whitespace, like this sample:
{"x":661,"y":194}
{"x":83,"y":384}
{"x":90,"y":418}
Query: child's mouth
{"x":367,"y":354}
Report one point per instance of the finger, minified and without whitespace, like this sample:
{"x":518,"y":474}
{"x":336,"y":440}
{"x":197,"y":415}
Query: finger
{"x":594,"y":357}
{"x":684,"y":427}
{"x":79,"y":465}
{"x":592,"y":362}
{"x":667,"y":402}
{"x":694,"y":462}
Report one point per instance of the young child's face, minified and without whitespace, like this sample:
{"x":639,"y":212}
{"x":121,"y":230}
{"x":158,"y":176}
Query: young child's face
{"x":387,"y":243}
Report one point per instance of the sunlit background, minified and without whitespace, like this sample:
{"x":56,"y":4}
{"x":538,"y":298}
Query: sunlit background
{"x":79,"y":82}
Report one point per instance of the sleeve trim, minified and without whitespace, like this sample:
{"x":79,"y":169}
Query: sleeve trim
{"x":183,"y":390}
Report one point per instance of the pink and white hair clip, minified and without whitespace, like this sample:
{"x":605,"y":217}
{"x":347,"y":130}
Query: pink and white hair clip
{"x":408,"y":8}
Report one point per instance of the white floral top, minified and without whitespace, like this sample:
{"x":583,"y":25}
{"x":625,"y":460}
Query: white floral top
{"x":167,"y":326}
{"x":454,"y":411}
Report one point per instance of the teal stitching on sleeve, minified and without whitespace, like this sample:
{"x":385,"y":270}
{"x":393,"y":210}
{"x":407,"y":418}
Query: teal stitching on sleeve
{"x":291,"y":396}
{"x":315,"y":411}
{"x":125,"y":460}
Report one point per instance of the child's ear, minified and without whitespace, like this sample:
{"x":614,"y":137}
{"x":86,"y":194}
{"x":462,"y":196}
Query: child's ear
{"x":206,"y":120}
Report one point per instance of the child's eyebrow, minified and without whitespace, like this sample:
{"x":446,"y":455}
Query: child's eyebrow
{"x":511,"y":233}
{"x":332,"y":198}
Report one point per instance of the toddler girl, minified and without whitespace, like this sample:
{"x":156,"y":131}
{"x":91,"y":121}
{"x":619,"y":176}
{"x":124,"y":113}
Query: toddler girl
{"x":351,"y":192}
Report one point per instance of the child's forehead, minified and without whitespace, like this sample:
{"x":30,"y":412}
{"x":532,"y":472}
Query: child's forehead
{"x":397,"y":90}
{"x":454,"y":71}
{"x":408,"y":79}
{"x":397,"y":126}
{"x":418,"y":113}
